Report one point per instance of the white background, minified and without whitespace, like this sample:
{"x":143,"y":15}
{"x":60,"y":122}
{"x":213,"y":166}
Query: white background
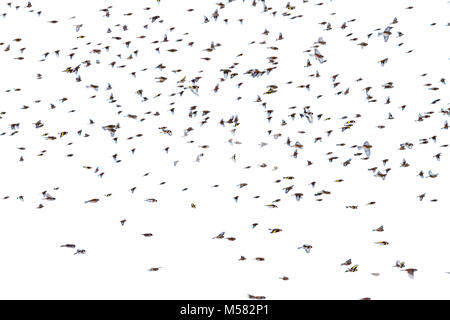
{"x":195,"y":266}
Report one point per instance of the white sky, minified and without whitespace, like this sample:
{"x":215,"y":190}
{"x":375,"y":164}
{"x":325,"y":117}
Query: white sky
{"x":194,"y":266}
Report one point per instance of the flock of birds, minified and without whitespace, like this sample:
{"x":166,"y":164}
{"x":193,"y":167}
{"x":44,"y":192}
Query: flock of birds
{"x":266,"y":104}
